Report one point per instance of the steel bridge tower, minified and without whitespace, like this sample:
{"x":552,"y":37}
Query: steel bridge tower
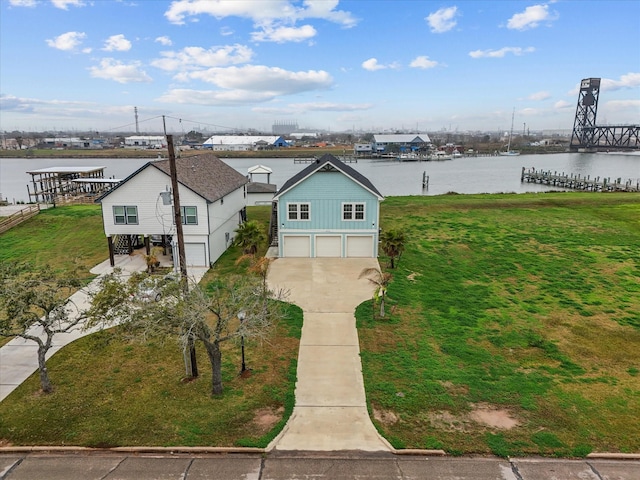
{"x":587,"y":135}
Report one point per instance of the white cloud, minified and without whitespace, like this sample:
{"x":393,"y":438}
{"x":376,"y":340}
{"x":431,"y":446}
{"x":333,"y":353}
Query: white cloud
{"x":500,"y":53}
{"x":191,"y":58}
{"x":23,"y":3}
{"x":164,"y":40}
{"x":263,"y":12}
{"x":64,"y":4}
{"x":531,"y":17}
{"x":266,"y":79}
{"x":251,"y":83}
{"x":67,"y":41}
{"x":226,"y":31}
{"x":274,"y":20}
{"x":539,"y":96}
{"x":111,"y":69}
{"x":214,"y":97}
{"x":423,"y":62}
{"x":442,"y":20}
{"x":117,"y":43}
{"x":284,"y":34}
{"x":562,"y":104}
{"x":372,"y":65}
{"x":630,"y":80}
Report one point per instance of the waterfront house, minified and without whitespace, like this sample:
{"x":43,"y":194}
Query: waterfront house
{"x":241,"y":143}
{"x":328,"y":210}
{"x":212,"y":201}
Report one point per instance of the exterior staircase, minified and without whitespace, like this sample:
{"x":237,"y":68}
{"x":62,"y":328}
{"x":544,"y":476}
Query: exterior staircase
{"x":273,"y":225}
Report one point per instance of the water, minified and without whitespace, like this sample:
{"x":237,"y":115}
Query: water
{"x":463,"y":175}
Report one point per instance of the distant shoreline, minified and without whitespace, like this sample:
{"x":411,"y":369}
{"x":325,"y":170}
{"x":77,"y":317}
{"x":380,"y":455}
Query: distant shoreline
{"x":290,"y":152}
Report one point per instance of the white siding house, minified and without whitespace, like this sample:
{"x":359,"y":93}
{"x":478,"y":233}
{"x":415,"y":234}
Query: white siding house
{"x":212,"y":199}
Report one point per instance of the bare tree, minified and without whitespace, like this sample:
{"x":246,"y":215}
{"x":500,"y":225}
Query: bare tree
{"x":211,"y":316}
{"x":36,"y":305}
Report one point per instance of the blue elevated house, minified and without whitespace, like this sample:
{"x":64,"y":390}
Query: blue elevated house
{"x":327,"y":210}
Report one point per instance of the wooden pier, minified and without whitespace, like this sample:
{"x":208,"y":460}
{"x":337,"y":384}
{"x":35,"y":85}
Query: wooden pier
{"x":578,"y":182}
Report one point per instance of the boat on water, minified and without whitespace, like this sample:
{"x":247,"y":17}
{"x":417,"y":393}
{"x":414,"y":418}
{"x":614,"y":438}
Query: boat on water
{"x":408,"y":157}
{"x":509,"y":152}
{"x":440,"y":155}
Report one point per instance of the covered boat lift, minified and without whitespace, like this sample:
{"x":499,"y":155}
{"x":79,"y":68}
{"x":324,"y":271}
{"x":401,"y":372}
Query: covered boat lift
{"x":53,"y":182}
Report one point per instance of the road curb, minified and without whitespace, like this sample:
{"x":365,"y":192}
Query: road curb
{"x":130,"y":450}
{"x":419,"y":451}
{"x":613,"y":456}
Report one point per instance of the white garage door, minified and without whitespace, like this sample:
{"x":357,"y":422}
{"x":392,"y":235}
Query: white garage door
{"x":296,"y":246}
{"x":360,"y":246}
{"x":329,"y":246}
{"x":195,"y":254}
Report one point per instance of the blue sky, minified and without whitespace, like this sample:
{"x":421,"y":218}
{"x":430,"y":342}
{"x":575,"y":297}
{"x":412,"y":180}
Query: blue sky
{"x":326,"y":64}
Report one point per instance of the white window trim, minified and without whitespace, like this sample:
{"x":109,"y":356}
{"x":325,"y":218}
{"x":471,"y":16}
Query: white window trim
{"x":298,"y":219}
{"x":353,"y":212}
{"x":183,"y":214}
{"x":126,"y":215}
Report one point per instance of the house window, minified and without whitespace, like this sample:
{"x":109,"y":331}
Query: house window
{"x":189,"y":215}
{"x":125,"y":215}
{"x":298,"y":211}
{"x":353,"y":211}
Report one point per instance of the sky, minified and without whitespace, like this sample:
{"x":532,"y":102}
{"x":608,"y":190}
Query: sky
{"x":330,"y":65}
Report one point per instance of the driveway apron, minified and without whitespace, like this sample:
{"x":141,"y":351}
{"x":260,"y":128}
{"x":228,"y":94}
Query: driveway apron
{"x":330,"y":412}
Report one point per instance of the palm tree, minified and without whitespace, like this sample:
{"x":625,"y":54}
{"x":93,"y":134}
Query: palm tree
{"x":392,"y":244}
{"x":249,"y":236}
{"x":381,"y":280}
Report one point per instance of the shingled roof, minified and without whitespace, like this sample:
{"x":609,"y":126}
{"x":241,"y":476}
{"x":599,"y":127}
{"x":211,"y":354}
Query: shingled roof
{"x":323,"y":162}
{"x":205,"y":174}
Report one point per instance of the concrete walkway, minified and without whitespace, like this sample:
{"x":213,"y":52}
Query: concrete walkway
{"x":18,"y":358}
{"x":330,"y":411}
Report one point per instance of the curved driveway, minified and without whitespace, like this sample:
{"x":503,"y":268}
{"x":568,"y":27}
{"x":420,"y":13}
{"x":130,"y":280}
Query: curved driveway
{"x":330,"y":411}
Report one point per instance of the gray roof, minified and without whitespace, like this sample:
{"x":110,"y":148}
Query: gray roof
{"x":260,"y":187}
{"x":335,"y":163}
{"x":204,"y":174}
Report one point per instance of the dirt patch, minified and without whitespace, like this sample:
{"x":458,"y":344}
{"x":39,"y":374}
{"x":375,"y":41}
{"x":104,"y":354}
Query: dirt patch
{"x":385,"y":417}
{"x":493,"y":417}
{"x":412,"y":276}
{"x":266,"y":418}
{"x":484,"y":414}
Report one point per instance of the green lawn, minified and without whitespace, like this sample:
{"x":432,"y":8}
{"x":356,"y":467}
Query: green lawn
{"x":110,"y":391}
{"x":524,"y":307}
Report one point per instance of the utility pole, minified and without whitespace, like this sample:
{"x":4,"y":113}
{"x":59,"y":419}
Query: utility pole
{"x":190,"y":360}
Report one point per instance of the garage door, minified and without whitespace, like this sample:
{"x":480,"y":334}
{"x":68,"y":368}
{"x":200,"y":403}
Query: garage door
{"x":296,"y":246}
{"x":195,"y":254}
{"x":329,"y":246}
{"x":360,"y":246}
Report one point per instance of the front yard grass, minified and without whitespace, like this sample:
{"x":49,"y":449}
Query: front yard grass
{"x":110,"y":392}
{"x":514,"y":325}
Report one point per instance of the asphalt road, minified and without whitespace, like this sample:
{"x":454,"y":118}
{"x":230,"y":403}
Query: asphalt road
{"x":304,"y":465}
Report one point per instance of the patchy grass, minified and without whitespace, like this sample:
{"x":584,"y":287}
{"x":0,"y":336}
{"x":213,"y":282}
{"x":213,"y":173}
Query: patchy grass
{"x":62,"y":237}
{"x":111,"y":392}
{"x":527,"y":304}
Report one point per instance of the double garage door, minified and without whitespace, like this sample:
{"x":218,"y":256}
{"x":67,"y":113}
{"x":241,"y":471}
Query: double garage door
{"x":328,"y":246}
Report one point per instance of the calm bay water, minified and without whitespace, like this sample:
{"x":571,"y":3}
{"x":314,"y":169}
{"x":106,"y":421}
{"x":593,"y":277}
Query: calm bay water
{"x":463,"y":175}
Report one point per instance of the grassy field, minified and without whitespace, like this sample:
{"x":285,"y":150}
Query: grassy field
{"x":109,"y":391}
{"x":514,"y":325}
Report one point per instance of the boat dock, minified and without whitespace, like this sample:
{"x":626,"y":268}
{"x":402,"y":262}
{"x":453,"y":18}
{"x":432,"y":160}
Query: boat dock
{"x":578,"y":182}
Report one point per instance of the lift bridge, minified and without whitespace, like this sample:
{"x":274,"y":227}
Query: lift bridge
{"x":589,"y":137}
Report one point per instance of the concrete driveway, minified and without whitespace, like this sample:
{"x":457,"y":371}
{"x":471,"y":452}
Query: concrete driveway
{"x":330,"y":411}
